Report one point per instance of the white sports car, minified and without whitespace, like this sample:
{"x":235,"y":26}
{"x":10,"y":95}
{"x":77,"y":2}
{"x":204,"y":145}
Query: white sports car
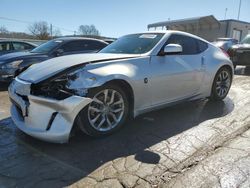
{"x":133,"y":75}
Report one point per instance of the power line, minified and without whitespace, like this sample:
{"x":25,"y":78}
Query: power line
{"x":28,"y":22}
{"x":15,"y":20}
{"x":63,"y":28}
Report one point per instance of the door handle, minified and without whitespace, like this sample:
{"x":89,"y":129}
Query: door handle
{"x":202,"y":61}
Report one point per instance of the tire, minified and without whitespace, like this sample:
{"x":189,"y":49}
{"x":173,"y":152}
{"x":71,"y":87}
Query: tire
{"x":101,"y":117}
{"x":221,"y":84}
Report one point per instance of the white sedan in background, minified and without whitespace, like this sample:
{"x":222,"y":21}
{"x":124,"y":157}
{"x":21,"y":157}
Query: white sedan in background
{"x":133,"y":75}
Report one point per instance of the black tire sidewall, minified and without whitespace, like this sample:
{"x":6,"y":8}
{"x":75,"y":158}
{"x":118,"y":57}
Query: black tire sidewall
{"x":82,"y":119}
{"x":214,"y":96}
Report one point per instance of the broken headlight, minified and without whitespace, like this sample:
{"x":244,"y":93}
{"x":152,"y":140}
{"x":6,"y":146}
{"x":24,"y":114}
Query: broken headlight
{"x":59,"y":87}
{"x":13,"y":64}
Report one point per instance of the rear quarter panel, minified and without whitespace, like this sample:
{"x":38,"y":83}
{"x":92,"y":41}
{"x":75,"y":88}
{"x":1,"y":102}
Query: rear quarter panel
{"x":214,"y":60}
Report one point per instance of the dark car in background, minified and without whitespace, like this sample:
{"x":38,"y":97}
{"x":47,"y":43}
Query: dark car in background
{"x":10,"y":46}
{"x":14,"y":63}
{"x":240,"y":53}
{"x":109,"y":40}
{"x":225,"y":43}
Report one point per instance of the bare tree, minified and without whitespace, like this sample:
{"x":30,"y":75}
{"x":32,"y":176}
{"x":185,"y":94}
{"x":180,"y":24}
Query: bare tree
{"x":88,"y":30}
{"x":40,"y":30}
{"x":3,"y":30}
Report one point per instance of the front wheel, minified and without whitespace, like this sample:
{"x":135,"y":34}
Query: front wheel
{"x":106,"y":113}
{"x":221,"y":85}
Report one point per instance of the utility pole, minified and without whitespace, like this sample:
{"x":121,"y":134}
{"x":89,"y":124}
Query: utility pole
{"x":239,"y":10}
{"x":225,"y":14}
{"x":51,"y":31}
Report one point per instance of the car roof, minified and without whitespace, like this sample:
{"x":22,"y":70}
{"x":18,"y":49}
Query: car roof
{"x":6,"y":40}
{"x":78,"y":38}
{"x":168,"y":32}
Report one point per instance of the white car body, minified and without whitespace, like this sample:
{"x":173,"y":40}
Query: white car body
{"x":156,"y":81}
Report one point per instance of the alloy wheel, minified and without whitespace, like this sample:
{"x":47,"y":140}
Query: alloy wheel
{"x":106,"y":110}
{"x":223,"y":83}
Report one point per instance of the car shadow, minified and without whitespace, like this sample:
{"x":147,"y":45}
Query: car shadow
{"x":4,"y":86}
{"x":88,"y":153}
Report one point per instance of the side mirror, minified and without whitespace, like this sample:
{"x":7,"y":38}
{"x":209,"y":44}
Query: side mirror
{"x":172,"y":49}
{"x":58,"y":52}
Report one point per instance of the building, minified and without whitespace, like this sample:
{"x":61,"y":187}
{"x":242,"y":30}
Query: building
{"x":207,"y":27}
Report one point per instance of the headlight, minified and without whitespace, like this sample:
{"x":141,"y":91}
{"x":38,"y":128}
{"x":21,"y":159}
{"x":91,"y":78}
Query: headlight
{"x":13,"y":64}
{"x":59,"y":87}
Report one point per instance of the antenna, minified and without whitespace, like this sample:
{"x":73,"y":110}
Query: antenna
{"x":225,"y":14}
{"x":239,"y":10}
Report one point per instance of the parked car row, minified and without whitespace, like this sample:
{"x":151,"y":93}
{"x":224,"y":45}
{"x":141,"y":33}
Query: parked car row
{"x":225,"y":43}
{"x":238,"y":52}
{"x":13,"y":64}
{"x":10,"y":46}
{"x":97,"y":92}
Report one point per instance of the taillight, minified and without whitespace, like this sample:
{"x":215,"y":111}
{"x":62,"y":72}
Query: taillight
{"x":225,"y":52}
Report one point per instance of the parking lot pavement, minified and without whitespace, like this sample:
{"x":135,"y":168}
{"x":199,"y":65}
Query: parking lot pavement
{"x":4,"y":101}
{"x":183,"y":145}
{"x":229,"y":166}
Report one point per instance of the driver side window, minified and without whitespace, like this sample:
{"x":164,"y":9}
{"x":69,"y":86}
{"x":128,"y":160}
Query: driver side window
{"x":189,"y":44}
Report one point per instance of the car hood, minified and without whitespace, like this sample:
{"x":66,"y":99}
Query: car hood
{"x":51,"y":67}
{"x":18,"y":55}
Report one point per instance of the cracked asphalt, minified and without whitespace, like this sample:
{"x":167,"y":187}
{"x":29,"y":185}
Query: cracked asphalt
{"x":194,"y":144}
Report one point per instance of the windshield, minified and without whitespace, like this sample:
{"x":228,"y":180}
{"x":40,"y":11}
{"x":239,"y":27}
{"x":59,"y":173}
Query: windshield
{"x":246,"y":40}
{"x":133,"y":44}
{"x":47,"y":47}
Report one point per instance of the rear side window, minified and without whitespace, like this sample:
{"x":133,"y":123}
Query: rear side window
{"x":4,"y":46}
{"x":202,"y":46}
{"x":189,"y":44}
{"x":96,"y":45}
{"x":83,"y":45}
{"x":73,"y":46}
{"x":21,"y":46}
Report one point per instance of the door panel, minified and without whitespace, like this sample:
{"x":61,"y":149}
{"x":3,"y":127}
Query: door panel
{"x":175,"y":77}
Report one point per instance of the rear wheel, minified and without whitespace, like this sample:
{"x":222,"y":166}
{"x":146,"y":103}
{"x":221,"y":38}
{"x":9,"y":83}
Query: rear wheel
{"x":222,"y":83}
{"x":106,"y":113}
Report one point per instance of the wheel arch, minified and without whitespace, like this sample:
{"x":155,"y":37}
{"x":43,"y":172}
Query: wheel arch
{"x":228,"y":67}
{"x":127,"y":88}
{"x":222,"y":66}
{"x":122,"y":84}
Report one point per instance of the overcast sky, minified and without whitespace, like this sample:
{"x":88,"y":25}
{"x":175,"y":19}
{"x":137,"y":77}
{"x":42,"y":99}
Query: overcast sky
{"x":113,"y":18}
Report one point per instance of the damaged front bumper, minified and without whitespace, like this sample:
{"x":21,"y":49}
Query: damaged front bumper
{"x":46,"y":119}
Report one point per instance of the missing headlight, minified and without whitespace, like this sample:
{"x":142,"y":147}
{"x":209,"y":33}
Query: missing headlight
{"x":55,"y":90}
{"x":58,"y":87}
